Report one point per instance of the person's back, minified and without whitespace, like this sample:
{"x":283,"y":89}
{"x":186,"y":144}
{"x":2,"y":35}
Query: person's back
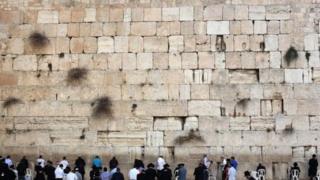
{"x":234,"y":162}
{"x":97,"y":162}
{"x":49,"y":171}
{"x":71,"y":176}
{"x":165,"y":174}
{"x":64,"y":162}
{"x":182,"y":174}
{"x":198,"y":173}
{"x":160,"y":163}
{"x":117,"y":175}
{"x":22,"y":170}
{"x":59,"y":172}
{"x":40,"y":175}
{"x":232,"y":173}
{"x":105,"y":175}
{"x":41,"y":161}
{"x":113,"y":163}
{"x":133,"y":173}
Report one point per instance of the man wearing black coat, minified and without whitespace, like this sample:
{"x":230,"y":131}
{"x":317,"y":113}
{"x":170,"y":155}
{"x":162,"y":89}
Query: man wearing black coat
{"x":118,"y":175}
{"x":313,"y":167}
{"x":80,"y":164}
{"x":151,"y":173}
{"x":165,"y":173}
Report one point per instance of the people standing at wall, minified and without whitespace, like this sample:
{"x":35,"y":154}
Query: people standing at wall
{"x":49,"y":170}
{"x":201,"y":172}
{"x":113,"y":163}
{"x":41,"y":161}
{"x":22,"y":168}
{"x":80,"y":164}
{"x":206,"y":161}
{"x":295,"y":171}
{"x":151,"y":173}
{"x":221,"y":166}
{"x":105,"y":175}
{"x":78,"y":174}
{"x":160,"y":163}
{"x":97,"y":162}
{"x":234,"y":162}
{"x":117,"y":175}
{"x":182,"y":173}
{"x":59,"y":172}
{"x":165,"y":173}
{"x":64,"y":162}
{"x":6,"y":173}
{"x":40,"y":173}
{"x":248,"y":176}
{"x":133,"y":173}
{"x":313,"y":167}
{"x":232,"y":173}
{"x":95,"y":173}
{"x":8,"y":161}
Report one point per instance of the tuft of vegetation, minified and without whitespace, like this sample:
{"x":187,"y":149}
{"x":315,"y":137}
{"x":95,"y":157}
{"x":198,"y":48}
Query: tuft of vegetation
{"x":83,"y":136}
{"x":243,"y":102}
{"x":10,"y":101}
{"x":76,"y":75}
{"x":102,"y":107}
{"x":308,"y":56}
{"x":291,"y":55}
{"x":262,"y":46}
{"x":38,"y":40}
{"x":134,"y":107}
{"x":192,"y":136}
{"x":288,"y":128}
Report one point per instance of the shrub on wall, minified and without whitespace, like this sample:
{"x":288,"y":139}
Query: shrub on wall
{"x":102,"y":107}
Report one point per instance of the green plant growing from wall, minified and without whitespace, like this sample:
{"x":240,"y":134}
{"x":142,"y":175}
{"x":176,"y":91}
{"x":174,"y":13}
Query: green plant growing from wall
{"x":11,"y":101}
{"x":76,"y":75}
{"x":291,"y":55}
{"x":192,"y":136}
{"x":102,"y":107}
{"x":38,"y":40}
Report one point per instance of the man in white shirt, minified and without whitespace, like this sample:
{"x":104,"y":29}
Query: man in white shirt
{"x":64,"y":162}
{"x":8,"y":161}
{"x":70,"y":175}
{"x":41,"y":161}
{"x":232,"y":173}
{"x":59,"y":172}
{"x":133,"y":173}
{"x":160,"y":163}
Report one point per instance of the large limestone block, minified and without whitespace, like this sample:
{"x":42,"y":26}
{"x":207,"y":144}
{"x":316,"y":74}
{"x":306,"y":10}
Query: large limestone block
{"x":240,"y":123}
{"x":155,"y":138}
{"x":213,"y":12}
{"x":315,"y":123}
{"x":186,"y":13}
{"x":32,"y":138}
{"x":204,"y":108}
{"x":207,"y":123}
{"x":50,"y":123}
{"x":257,"y":12}
{"x":123,"y":138}
{"x":155,"y":44}
{"x":25,"y":63}
{"x":155,"y":92}
{"x":139,"y":123}
{"x":162,"y":108}
{"x":200,"y":91}
{"x":15,"y":46}
{"x":278,"y":12}
{"x":176,"y":43}
{"x":262,"y":123}
{"x":243,"y":76}
{"x":170,"y":14}
{"x":167,"y":123}
{"x":293,"y":75}
{"x":143,"y":28}
{"x":191,"y":123}
{"x":45,"y":16}
{"x":105,"y":45}
{"x":218,"y":27}
{"x":8,"y":79}
{"x":311,"y":42}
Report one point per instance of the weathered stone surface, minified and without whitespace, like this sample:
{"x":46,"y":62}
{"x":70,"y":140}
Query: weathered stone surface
{"x":218,"y":27}
{"x":204,"y":108}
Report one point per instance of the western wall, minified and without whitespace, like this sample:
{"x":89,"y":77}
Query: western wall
{"x":179,"y":78}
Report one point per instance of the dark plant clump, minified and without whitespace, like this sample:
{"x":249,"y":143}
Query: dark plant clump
{"x":288,"y":128}
{"x":10,"y":101}
{"x":83,"y":136}
{"x":38,"y":40}
{"x":291,"y":55}
{"x":243,"y":102}
{"x":102,"y":107}
{"x":192,"y":136}
{"x":308,"y":56}
{"x":76,"y":75}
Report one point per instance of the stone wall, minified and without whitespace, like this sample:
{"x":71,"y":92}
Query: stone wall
{"x":222,"y":68}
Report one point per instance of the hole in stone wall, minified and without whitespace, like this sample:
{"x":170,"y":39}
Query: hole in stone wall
{"x":220,"y":44}
{"x":61,"y":55}
{"x":11,"y":101}
{"x":50,"y":67}
{"x":308,"y":56}
{"x":223,"y":111}
{"x":262,"y":46}
{"x":134,"y":107}
{"x":83,"y":136}
{"x":38,"y":40}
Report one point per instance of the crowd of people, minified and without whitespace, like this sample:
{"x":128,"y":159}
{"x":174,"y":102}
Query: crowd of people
{"x":46,"y":170}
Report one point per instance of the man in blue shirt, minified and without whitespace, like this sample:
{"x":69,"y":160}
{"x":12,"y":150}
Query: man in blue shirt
{"x":97,"y":162}
{"x":234,"y":162}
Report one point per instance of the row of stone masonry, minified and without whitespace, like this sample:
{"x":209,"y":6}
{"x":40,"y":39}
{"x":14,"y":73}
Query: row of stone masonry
{"x":161,"y":44}
{"x":116,"y":14}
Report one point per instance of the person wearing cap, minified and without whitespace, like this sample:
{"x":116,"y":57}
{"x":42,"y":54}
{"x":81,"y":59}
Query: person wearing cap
{"x":117,"y":175}
{"x":49,"y":170}
{"x":151,"y":173}
{"x":165,"y":173}
{"x":77,"y":173}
